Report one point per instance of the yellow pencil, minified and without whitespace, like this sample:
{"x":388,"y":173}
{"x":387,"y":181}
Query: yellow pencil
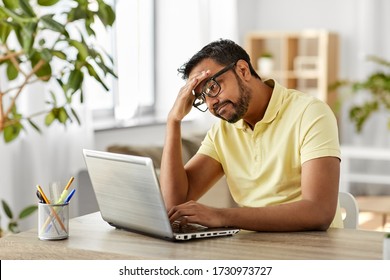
{"x":45,"y":199}
{"x":65,"y":191}
{"x":69,"y":183}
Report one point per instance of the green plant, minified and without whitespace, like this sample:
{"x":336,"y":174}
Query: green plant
{"x":267,"y":55}
{"x":378,"y":87}
{"x":13,"y":224}
{"x":39,"y":45}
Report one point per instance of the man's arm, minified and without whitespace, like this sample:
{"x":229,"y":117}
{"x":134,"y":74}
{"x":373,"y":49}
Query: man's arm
{"x":174,"y":180}
{"x":315,"y":211}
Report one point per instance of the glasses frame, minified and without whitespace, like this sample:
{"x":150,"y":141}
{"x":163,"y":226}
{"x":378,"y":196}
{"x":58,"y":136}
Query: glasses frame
{"x":200,"y":99}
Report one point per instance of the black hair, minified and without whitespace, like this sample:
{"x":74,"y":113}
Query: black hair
{"x":222,"y":51}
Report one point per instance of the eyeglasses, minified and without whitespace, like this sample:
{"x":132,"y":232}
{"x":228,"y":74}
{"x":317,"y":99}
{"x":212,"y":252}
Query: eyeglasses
{"x":211,"y":89}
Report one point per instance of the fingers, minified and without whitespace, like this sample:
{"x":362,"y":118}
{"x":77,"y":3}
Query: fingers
{"x":193,"y":82}
{"x":185,"y":213}
{"x":185,"y":98}
{"x":197,"y":78}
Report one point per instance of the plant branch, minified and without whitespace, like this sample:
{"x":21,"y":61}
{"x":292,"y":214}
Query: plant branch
{"x":11,"y":122}
{"x":12,"y":57}
{"x":7,"y":56}
{"x":26,"y":81}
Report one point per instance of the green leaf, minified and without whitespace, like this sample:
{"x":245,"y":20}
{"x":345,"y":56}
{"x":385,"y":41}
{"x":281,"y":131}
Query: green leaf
{"x":106,"y":14}
{"x":75,"y":80}
{"x":81,"y":96}
{"x":34,"y":125}
{"x":12,"y":71}
{"x":26,"y":7}
{"x":50,"y":117}
{"x":47,"y":2}
{"x":11,"y":4}
{"x":62,"y":115}
{"x":75,"y":115}
{"x":95,"y":75}
{"x":11,"y":132}
{"x":81,"y":48}
{"x":48,"y":22}
{"x":5,"y":30}
{"x":44,"y":72}
{"x":88,"y":26}
{"x":54,"y":98}
{"x":27,"y":211}
{"x":106,"y":69}
{"x":27,"y":36}
{"x":59,"y":54}
{"x":13,"y":227}
{"x":7,"y":209}
{"x":46,"y":55}
{"x":15,"y":17}
{"x":76,"y":14}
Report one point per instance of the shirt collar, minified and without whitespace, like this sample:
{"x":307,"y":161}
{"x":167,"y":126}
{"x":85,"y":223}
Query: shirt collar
{"x":273,"y":107}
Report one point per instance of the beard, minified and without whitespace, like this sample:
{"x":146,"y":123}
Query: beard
{"x":240,"y":107}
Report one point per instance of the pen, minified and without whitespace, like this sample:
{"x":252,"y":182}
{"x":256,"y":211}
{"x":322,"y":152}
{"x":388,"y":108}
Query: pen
{"x":65,"y":191}
{"x":51,"y":208}
{"x":40,"y":197}
{"x":69,"y":197}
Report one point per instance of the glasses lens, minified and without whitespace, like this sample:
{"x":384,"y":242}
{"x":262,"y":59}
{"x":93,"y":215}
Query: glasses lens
{"x":200,"y":103}
{"x":211,"y":88}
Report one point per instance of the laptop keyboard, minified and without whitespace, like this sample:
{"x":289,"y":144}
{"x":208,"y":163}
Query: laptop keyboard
{"x":186,"y":228}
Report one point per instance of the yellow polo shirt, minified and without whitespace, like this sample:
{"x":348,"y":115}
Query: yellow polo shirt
{"x":263,"y":165}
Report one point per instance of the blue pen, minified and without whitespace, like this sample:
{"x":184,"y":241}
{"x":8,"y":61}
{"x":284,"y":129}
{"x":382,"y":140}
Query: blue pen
{"x":69,"y":197}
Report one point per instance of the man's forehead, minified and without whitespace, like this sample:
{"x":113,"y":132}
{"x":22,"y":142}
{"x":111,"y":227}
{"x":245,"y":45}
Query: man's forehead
{"x":204,"y":65}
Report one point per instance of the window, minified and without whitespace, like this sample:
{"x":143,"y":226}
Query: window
{"x":132,"y":47}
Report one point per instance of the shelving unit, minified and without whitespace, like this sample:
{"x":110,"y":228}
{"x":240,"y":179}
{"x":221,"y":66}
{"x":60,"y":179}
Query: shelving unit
{"x":306,"y":60}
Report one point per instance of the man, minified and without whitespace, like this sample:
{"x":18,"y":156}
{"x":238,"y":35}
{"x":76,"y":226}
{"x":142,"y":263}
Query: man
{"x":278,"y":148}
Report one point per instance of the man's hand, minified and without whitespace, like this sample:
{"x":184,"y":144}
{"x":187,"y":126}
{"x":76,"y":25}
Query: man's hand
{"x":194,"y":212}
{"x":185,"y":98}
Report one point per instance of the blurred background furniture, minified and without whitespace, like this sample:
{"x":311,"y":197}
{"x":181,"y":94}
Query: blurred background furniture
{"x":306,"y":60}
{"x":378,"y":205}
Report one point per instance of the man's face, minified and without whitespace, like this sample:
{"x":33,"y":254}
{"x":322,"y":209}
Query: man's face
{"x":232,"y":101}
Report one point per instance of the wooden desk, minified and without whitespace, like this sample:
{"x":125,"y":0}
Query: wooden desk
{"x":92,"y":238}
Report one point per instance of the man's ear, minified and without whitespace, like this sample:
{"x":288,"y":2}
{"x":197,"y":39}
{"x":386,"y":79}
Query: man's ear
{"x":243,"y":69}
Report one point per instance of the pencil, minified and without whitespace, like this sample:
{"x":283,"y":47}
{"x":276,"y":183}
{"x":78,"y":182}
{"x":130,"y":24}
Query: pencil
{"x":69,"y":183}
{"x":45,"y":199}
{"x":65,"y":191}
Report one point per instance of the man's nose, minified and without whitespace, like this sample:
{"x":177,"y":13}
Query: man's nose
{"x":211,"y":102}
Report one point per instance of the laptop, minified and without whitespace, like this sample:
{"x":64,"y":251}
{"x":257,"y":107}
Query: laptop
{"x":129,"y":197}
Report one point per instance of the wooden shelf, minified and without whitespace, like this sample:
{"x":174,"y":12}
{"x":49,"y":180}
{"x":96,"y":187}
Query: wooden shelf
{"x":306,"y":59}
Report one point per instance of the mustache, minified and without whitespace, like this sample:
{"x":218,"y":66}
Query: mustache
{"x":219,"y":105}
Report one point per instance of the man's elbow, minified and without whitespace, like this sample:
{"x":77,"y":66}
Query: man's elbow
{"x":323,"y":221}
